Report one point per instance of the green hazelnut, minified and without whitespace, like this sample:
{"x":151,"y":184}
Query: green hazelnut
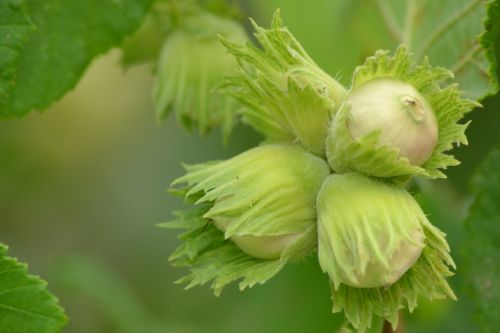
{"x":369,"y":231}
{"x":263,"y":199}
{"x":401,"y":114}
{"x":192,"y":62}
{"x":264,"y":247}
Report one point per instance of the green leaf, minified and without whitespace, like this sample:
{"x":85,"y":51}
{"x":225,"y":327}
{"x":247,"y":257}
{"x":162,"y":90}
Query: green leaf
{"x":15,"y":27}
{"x":25,"y":304}
{"x":69,"y":34}
{"x":482,"y":249}
{"x":445,"y":31}
{"x":490,"y":37}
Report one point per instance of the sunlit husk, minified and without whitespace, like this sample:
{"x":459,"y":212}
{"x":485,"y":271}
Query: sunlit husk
{"x":287,"y":96}
{"x":378,"y":248}
{"x":369,"y":232}
{"x":263,"y":199}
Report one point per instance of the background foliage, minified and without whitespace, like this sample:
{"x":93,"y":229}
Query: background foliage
{"x":82,"y":185}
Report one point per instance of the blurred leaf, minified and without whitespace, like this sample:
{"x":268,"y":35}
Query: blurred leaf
{"x":445,"y":31}
{"x":163,"y":19}
{"x":224,"y":8}
{"x":490,"y":36}
{"x":15,"y":27}
{"x":68,"y":35}
{"x":100,"y":284}
{"x":482,"y":249}
{"x":25,"y":304}
{"x":333,"y":27}
{"x":116,"y":301}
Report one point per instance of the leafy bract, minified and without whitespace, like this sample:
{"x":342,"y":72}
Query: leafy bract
{"x":482,"y":249}
{"x":446,"y":32}
{"x":68,"y":35}
{"x":191,"y":63}
{"x":288,"y":98}
{"x":25,"y":304}
{"x":211,"y":258}
{"x":267,"y":195}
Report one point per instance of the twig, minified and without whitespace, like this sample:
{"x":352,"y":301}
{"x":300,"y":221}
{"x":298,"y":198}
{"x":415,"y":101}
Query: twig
{"x":411,"y":8}
{"x":389,"y":20}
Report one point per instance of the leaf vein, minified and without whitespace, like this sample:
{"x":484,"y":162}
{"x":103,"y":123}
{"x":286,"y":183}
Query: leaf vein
{"x":441,"y":29}
{"x":16,"y":288}
{"x":26,"y":312}
{"x":466,"y":58}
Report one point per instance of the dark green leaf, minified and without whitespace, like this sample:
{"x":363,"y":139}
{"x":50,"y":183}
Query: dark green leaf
{"x":25,"y":304}
{"x":490,"y":36}
{"x":68,"y":35}
{"x":15,"y":27}
{"x":482,"y":248}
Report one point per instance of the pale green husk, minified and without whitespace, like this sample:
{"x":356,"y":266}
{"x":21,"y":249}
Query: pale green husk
{"x":349,"y":238}
{"x":427,"y":278}
{"x":287,"y":96}
{"x":191,"y":64}
{"x":266,"y":191}
{"x":362,"y":223}
{"x":365,"y":155}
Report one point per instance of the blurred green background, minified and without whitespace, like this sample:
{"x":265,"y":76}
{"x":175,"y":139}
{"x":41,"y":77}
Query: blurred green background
{"x":82,"y":186}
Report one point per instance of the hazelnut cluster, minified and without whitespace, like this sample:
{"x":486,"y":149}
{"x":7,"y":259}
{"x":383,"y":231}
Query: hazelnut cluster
{"x":330,"y":176}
